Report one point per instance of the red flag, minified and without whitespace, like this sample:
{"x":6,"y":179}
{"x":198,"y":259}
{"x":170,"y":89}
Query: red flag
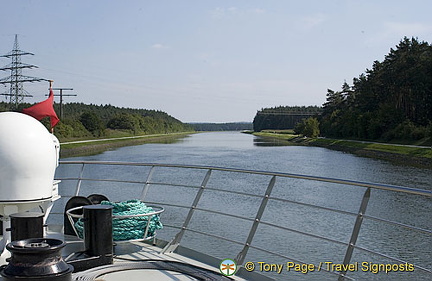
{"x":44,"y":109}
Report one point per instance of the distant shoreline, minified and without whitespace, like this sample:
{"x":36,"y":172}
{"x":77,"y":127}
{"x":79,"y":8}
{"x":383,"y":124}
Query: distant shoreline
{"x":96,"y":146}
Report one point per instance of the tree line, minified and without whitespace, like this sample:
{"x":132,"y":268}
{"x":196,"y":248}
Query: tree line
{"x":233,"y":126}
{"x":83,"y":120}
{"x":283,"y":117}
{"x":391,"y":101}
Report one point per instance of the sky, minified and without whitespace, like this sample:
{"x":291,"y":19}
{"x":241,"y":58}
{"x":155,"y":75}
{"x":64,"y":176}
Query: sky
{"x":204,"y":60}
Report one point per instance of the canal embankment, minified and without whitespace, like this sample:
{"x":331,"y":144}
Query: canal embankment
{"x":414,"y":155}
{"x":96,"y":146}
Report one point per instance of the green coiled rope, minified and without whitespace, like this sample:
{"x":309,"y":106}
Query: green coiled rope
{"x":128,"y":228}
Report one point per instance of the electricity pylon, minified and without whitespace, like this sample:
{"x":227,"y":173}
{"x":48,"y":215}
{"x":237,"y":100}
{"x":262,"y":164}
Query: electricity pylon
{"x":16,"y":79}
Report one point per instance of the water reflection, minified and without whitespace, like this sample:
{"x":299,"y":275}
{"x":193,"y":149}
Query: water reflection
{"x":262,"y":141}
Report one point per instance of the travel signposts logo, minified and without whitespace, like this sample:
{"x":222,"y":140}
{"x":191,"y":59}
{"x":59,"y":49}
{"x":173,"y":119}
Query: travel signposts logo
{"x":228,"y":267}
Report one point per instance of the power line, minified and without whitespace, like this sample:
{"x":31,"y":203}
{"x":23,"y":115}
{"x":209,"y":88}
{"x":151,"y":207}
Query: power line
{"x":61,"y":95}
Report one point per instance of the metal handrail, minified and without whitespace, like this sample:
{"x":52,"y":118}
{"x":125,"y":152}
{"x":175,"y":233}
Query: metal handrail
{"x":351,"y":245}
{"x":278,"y":174}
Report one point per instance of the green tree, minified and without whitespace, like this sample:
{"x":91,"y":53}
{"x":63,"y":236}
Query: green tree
{"x":92,"y":123}
{"x":396,"y":91}
{"x":125,"y":121}
{"x":308,"y":127}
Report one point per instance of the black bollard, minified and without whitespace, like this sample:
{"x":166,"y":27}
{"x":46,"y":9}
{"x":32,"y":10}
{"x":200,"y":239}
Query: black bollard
{"x":98,"y":237}
{"x":26,"y":225}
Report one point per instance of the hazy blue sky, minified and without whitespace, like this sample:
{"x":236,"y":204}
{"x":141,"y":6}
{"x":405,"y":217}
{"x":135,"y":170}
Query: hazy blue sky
{"x":202,"y":60}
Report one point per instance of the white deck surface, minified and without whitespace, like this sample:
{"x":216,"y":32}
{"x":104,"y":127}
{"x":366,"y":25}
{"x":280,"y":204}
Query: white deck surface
{"x":131,"y":253}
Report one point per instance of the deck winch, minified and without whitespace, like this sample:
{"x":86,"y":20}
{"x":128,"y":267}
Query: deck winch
{"x":37,"y":259}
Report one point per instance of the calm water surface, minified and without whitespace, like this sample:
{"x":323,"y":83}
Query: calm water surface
{"x":237,"y":150}
{"x":234,"y":149}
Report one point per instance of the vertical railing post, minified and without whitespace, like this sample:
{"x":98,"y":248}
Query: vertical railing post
{"x":241,"y":256}
{"x":355,"y":232}
{"x":78,"y":187}
{"x":147,"y":184}
{"x":172,"y":245}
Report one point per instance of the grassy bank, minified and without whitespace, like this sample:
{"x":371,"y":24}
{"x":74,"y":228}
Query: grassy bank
{"x":405,"y":154}
{"x":96,"y":146}
{"x":287,"y":135}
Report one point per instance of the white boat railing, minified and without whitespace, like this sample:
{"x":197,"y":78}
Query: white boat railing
{"x":343,"y":272}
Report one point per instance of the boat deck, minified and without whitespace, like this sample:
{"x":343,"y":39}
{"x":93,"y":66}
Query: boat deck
{"x":140,"y":261}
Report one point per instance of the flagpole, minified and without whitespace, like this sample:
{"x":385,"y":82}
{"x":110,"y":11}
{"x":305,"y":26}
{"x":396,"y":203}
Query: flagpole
{"x":50,"y":87}
{"x":44,"y":109}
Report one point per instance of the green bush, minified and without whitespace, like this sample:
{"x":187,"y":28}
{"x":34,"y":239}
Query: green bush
{"x":308,"y":127}
{"x":407,"y":130}
{"x":92,"y":123}
{"x":125,"y":121}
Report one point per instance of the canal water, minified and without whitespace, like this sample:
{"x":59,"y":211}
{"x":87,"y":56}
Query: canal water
{"x":244,"y":151}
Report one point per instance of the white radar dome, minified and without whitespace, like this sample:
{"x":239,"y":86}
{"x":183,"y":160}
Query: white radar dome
{"x":28,"y":158}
